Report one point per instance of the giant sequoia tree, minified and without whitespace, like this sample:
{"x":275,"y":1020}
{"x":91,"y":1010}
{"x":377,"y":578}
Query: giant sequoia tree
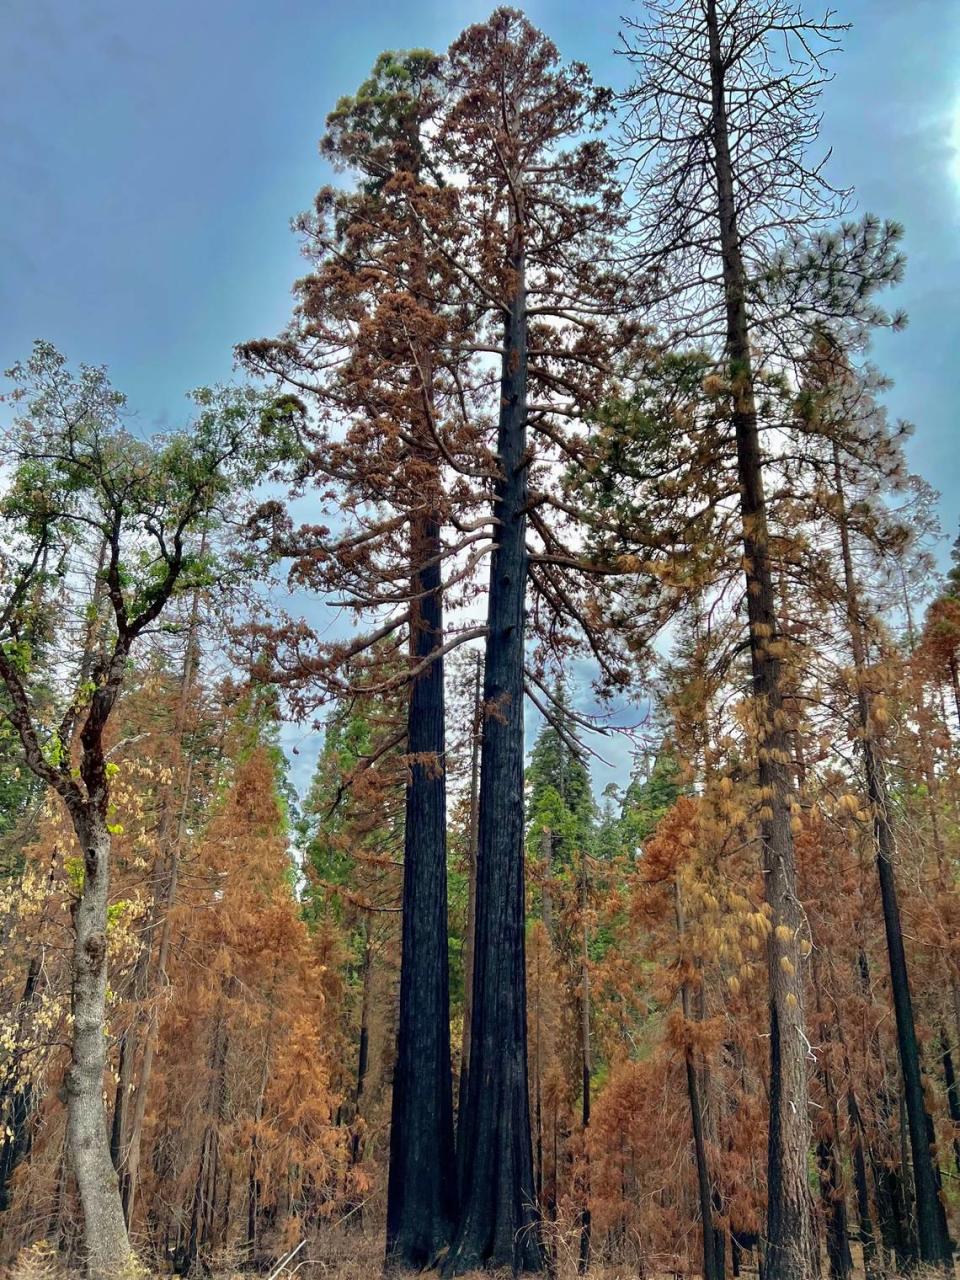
{"x":377,"y":352}
{"x":530,"y":244}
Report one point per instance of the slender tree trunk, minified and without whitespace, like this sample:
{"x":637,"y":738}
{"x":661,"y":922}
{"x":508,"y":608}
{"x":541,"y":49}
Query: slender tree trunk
{"x":792,"y":1252}
{"x":105,"y":1232}
{"x":932,"y":1237}
{"x":953,"y":1092}
{"x":538,"y":1073}
{"x":469,"y":946}
{"x":829,"y":1164}
{"x":586,"y":1060}
{"x":131,"y":1158}
{"x":498,"y":1215}
{"x":546,"y":892}
{"x":861,"y":1187}
{"x":363,"y":1045}
{"x":704,"y":1182}
{"x":422,"y":1188}
{"x":205,"y":1188}
{"x":955,"y":683}
{"x":16,"y":1094}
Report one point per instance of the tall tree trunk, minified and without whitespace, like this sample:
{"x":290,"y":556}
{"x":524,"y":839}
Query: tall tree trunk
{"x":498,"y":1216}
{"x":861,"y":1187}
{"x":203,"y":1205}
{"x":105,"y":1232}
{"x":932,"y":1235}
{"x":546,"y":890}
{"x":469,"y":946}
{"x":792,"y":1252}
{"x":538,"y":1071}
{"x":858,"y":1150}
{"x":586,"y":1061}
{"x":130,"y":1156}
{"x":422,"y":1188}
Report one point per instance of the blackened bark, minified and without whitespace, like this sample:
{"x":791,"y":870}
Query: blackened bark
{"x":363,"y":1044}
{"x":861,"y":1188}
{"x":932,"y":1235}
{"x":833,"y":1192}
{"x":469,"y":947}
{"x":704,"y":1184}
{"x":791,"y":1252}
{"x":16,"y":1095}
{"x":422,"y":1189}
{"x":834,"y":1210}
{"x":586,"y":1061}
{"x":953,"y":1092}
{"x":498,"y":1217}
{"x":955,"y":683}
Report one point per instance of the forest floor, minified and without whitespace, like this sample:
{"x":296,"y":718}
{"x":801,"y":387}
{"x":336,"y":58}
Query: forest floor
{"x":353,"y":1256}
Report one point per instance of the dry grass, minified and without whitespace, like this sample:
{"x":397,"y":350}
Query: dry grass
{"x":343,"y":1255}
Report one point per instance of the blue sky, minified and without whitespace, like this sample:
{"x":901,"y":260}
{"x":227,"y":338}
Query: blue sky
{"x":153,"y":154}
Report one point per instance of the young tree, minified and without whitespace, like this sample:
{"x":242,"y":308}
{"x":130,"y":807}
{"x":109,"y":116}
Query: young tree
{"x":76,"y":470}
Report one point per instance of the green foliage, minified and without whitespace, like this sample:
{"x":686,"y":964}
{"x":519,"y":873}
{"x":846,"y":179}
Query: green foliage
{"x":559,"y":793}
{"x":77,"y":470}
{"x":377,"y":130}
{"x":647,"y":799}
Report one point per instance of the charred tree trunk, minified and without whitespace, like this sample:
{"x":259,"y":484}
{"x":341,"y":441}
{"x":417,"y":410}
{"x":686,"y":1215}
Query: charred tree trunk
{"x":498,"y":1216}
{"x":422,"y":1190}
{"x":363,"y":1045}
{"x":586,"y":1060}
{"x":953,"y":1092}
{"x":469,"y":947}
{"x":932,"y":1236}
{"x":792,"y":1252}
{"x":537,"y":1073}
{"x":833,"y":1193}
{"x":16,"y":1095}
{"x":704,"y":1182}
{"x":834,"y":1209}
{"x":861,"y":1188}
{"x":955,"y":683}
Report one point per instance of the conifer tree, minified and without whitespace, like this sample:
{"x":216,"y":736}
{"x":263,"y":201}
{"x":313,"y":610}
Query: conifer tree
{"x":864,"y":452}
{"x":530,"y":245}
{"x":370,"y":346}
{"x":721,"y":122}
